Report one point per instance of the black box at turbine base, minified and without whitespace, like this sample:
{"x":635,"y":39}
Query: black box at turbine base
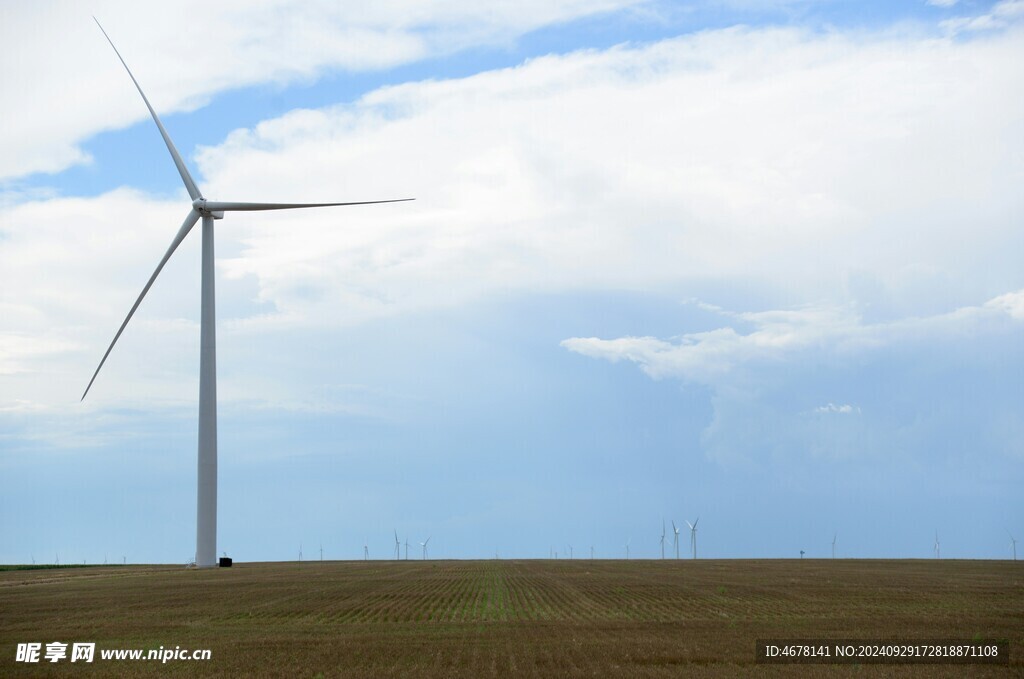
{"x":225,"y":562}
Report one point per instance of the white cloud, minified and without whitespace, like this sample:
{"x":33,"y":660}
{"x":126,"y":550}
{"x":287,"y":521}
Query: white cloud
{"x":68,"y":84}
{"x":798,"y":161}
{"x":845,"y":409}
{"x":942,"y":3}
{"x":713,"y":357}
{"x":1001,"y":15}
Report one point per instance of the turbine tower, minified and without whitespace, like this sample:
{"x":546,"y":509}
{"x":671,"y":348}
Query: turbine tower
{"x":207,"y":211}
{"x":627,"y":548}
{"x":834,"y":545}
{"x":693,"y":536}
{"x":675,"y":537}
{"x":1013,"y":541}
{"x":424,"y":546}
{"x":936,"y":547}
{"x":663,"y":538}
{"x":398,"y":547}
{"x":407,"y":549}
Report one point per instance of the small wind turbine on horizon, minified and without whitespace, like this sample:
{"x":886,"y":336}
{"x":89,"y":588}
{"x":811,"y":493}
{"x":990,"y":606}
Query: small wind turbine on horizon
{"x":207,"y":211}
{"x":834,"y":545}
{"x":398,"y":547}
{"x":663,"y":538}
{"x":424,"y":546}
{"x":1013,"y":541}
{"x":675,"y":537}
{"x":406,"y":548}
{"x":936,"y":547}
{"x":627,"y":548}
{"x":366,"y":551}
{"x":693,"y":536}
{"x":300,"y":552}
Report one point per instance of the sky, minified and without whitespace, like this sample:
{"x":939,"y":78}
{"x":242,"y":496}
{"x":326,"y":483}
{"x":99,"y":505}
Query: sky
{"x":756,"y":262}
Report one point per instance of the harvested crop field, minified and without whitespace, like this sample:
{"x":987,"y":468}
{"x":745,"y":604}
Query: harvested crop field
{"x":506,"y":618}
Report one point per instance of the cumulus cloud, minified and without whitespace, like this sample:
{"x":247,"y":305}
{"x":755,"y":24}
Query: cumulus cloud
{"x":942,"y":3}
{"x":69,"y":86}
{"x":931,"y":382}
{"x":796,"y":160}
{"x":713,"y":356}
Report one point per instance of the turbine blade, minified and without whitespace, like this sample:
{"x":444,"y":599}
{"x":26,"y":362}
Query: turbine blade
{"x":190,"y":221}
{"x":229,"y":206}
{"x":190,"y":185}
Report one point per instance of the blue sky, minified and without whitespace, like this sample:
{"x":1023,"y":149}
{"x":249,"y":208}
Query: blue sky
{"x":756,"y":262}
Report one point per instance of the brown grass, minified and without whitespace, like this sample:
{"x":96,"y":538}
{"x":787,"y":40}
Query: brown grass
{"x":508,"y":618}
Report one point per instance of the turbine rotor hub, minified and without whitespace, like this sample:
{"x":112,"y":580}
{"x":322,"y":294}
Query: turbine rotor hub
{"x":199,"y":204}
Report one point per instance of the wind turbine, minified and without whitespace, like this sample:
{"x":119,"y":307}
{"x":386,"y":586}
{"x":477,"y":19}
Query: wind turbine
{"x":591,"y":552}
{"x":936,"y":547}
{"x":366,"y":551}
{"x":398,"y":547}
{"x":1013,"y":541}
{"x":207,"y":211}
{"x":424,"y":546}
{"x":321,"y":552}
{"x":663,"y":538}
{"x":693,"y":536}
{"x":834,"y":545}
{"x":627,"y":548}
{"x":675,"y":537}
{"x":300,"y":552}
{"x":570,"y":552}
{"x":407,"y":549}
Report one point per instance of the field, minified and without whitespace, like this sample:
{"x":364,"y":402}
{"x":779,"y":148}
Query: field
{"x":507,"y":618}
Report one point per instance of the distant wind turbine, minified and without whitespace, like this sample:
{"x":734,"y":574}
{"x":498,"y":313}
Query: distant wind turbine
{"x":663,"y":538}
{"x":938,"y":554}
{"x":321,"y":552}
{"x":693,"y":536}
{"x":207,"y":211}
{"x":424,"y":546}
{"x":591,"y":552}
{"x":398,"y":547}
{"x":834,"y":545}
{"x":570,"y":552}
{"x":1013,"y":541}
{"x":366,"y":551}
{"x":675,"y":537}
{"x":407,"y":549}
{"x":627,"y":548}
{"x":801,"y":554}
{"x":300,"y":551}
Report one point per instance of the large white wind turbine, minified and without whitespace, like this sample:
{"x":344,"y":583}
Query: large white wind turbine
{"x":207,"y":211}
{"x":424,"y":546}
{"x":675,"y":537}
{"x":693,"y":536}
